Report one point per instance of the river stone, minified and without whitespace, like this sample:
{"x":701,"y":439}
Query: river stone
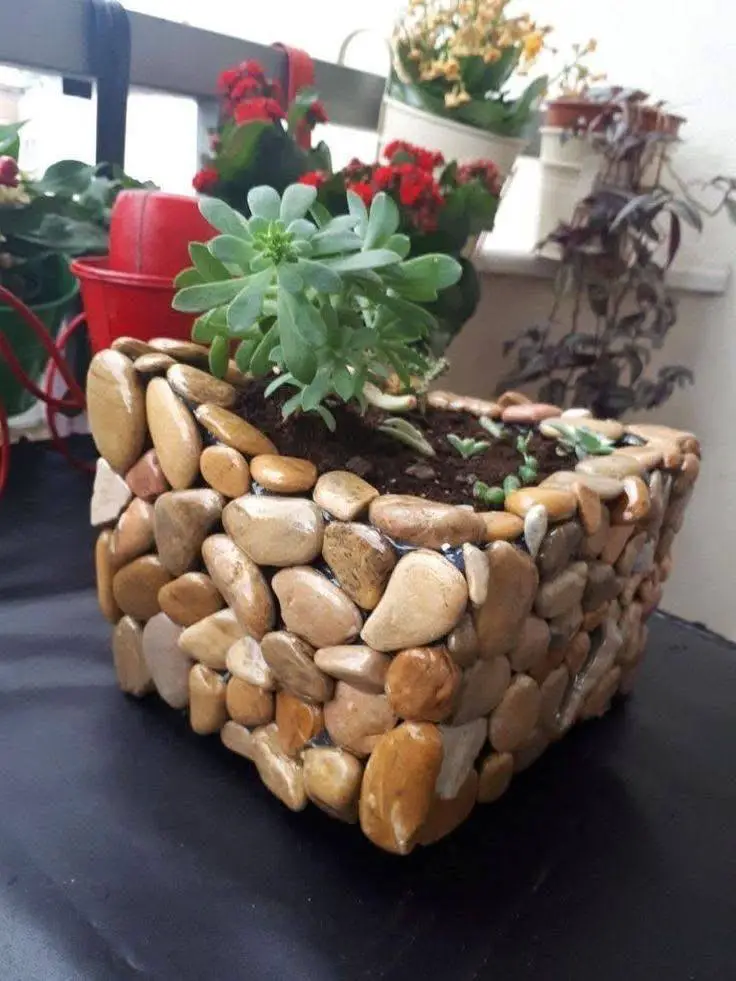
{"x":248,"y":704}
{"x":356,"y":719}
{"x":602,"y":585}
{"x":590,"y":508}
{"x":501,"y":526}
{"x":276,"y":531}
{"x":297,"y":722}
{"x":447,"y":815}
{"x":361,"y":560}
{"x":512,"y":584}
{"x":689,"y":473}
{"x":291,"y":660}
{"x":481,"y":689}
{"x":233,"y":431}
{"x":577,"y":651}
{"x":180,"y":350}
{"x":649,"y":456}
{"x":146,"y":478}
{"x":422,"y":683}
{"x":359,"y":666}
{"x":594,"y":618}
{"x":424,"y":599}
{"x":207,"y":711}
{"x":133,"y":535}
{"x":559,"y":545}
{"x":476,"y":573}
{"x":153,"y":363}
{"x":430,"y":524}
{"x":634,"y":504}
{"x":618,"y":536}
{"x":135,"y":587}
{"x":210,"y":639}
{"x":199,"y":387}
{"x":131,"y":669}
{"x":174,"y":433}
{"x":655,"y":432}
{"x":225,"y":470}
{"x":314,"y":608}
{"x":560,"y":504}
{"x":116,"y":409}
{"x":104,"y":573}
{"x":552,"y":693}
{"x":245,"y":660}
{"x":514,"y":720}
{"x":131,"y":347}
{"x":190,"y":598}
{"x":461,"y":745}
{"x":110,"y":495}
{"x":530,"y":413}
{"x":531,"y":645}
{"x":343,"y":494}
{"x":593,"y":545}
{"x":558,"y":595}
{"x":531,"y":749}
{"x":462,"y":642}
{"x":183,"y":519}
{"x":282,"y":775}
{"x":242,"y":584}
{"x":168,"y":664}
{"x":398,"y":785}
{"x":605,"y":647}
{"x":536,"y":522}
{"x":607,"y":488}
{"x":510,"y":397}
{"x":494,"y":777}
{"x":332,"y":781}
{"x":630,"y":555}
{"x":599,"y":700}
{"x":238,"y":739}
{"x":616,"y":465}
{"x":283,"y":474}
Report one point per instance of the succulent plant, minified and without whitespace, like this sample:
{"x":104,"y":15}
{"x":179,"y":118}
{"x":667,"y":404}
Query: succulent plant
{"x":468,"y":447}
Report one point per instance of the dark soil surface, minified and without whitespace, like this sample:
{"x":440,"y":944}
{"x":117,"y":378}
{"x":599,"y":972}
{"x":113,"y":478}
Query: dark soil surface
{"x":391,"y":466}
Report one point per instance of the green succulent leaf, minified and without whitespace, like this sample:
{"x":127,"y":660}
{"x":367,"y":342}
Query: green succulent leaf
{"x":206,"y":264}
{"x":319,"y":276}
{"x":296,"y":202}
{"x":188,"y":277}
{"x":371,"y":259}
{"x":222,"y":217}
{"x":294,"y":333}
{"x":264,"y":202}
{"x":197,"y":299}
{"x":260,"y":361}
{"x":230,"y":248}
{"x":246,"y":307}
{"x":219,"y":355}
{"x":383,"y":220}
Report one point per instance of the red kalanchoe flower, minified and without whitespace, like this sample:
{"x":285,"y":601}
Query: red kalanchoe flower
{"x":314,"y":178}
{"x":205,"y":179}
{"x":316,"y":113}
{"x":484,"y":171}
{"x":9,"y":172}
{"x":227,"y":78}
{"x":267,"y":110}
{"x":363,"y":190}
{"x":424,"y":159}
{"x":245,"y":88}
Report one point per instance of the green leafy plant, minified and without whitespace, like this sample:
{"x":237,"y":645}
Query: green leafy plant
{"x":324,"y":304}
{"x":468,"y":447}
{"x":581,"y":440}
{"x":529,"y":469}
{"x":403,"y":431}
{"x":494,"y":427}
{"x":490,"y":497}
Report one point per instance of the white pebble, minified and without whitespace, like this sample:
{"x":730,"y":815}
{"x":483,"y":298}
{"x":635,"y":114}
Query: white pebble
{"x":535,"y":528}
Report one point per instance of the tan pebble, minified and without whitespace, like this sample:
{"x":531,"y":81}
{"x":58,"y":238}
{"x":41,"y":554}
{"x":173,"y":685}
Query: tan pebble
{"x":361,"y":560}
{"x":649,"y":456}
{"x":593,"y":545}
{"x":343,"y":494}
{"x":618,"y":536}
{"x":689,"y":473}
{"x":529,"y":413}
{"x":559,"y":504}
{"x":332,"y":781}
{"x":282,"y":775}
{"x":297,"y":722}
{"x":398,"y":786}
{"x":209,"y":639}
{"x":225,"y":470}
{"x":358,"y":665}
{"x":482,"y":407}
{"x":168,"y":665}
{"x":146,"y":478}
{"x":133,"y":535}
{"x":599,"y":700}
{"x":291,"y":660}
{"x":512,"y":398}
{"x":590,"y":508}
{"x":181,"y":350}
{"x":481,"y":689}
{"x":356,"y":719}
{"x":135,"y":587}
{"x":248,"y":704}
{"x":242,"y":584}
{"x":237,"y":739}
{"x":512,"y":585}
{"x":665,"y":568}
{"x":463,"y":645}
{"x":424,"y":599}
{"x":429,"y":524}
{"x":447,"y":815}
{"x":530,"y":751}
{"x":460,"y":748}
{"x":576,"y":652}
{"x":607,"y":488}
{"x":653,"y":431}
{"x":531,"y":645}
{"x":421,"y":684}
{"x":190,"y":598}
{"x":314,"y":608}
{"x":104,"y":572}
{"x":513,"y":722}
{"x":283,"y":474}
{"x":615,"y":465}
{"x":116,"y":409}
{"x":153,"y":363}
{"x":174,"y":433}
{"x":199,"y":387}
{"x":276,"y":531}
{"x":629,"y":558}
{"x":495,"y":776}
{"x":245,"y":660}
{"x":635,"y":503}
{"x":233,"y":431}
{"x":131,"y":670}
{"x":552,"y":692}
{"x":182,"y":521}
{"x":564,"y":626}
{"x":207,"y":712}
{"x":131,"y":347}
{"x":558,"y":547}
{"x":666,"y":540}
{"x":594,"y":618}
{"x":601,"y":586}
{"x":235,"y":376}
{"x":110,"y":495}
{"x":501,"y":526}
{"x":476,"y":573}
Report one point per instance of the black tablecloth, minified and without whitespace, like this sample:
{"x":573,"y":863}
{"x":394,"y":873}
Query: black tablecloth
{"x":130,"y":848}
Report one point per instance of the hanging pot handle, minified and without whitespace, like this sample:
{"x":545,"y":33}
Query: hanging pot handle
{"x":297,"y":73}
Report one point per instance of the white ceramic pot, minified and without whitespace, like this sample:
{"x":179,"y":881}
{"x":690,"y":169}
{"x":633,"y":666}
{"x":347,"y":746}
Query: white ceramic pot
{"x":454,"y":140}
{"x":568,"y":165}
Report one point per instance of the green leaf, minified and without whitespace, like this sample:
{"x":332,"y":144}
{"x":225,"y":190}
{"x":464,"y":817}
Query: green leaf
{"x":245,"y":351}
{"x":222,"y":217}
{"x":357,"y":208}
{"x":238,"y":148}
{"x":10,"y":139}
{"x":289,"y":278}
{"x":231,"y":248}
{"x":246,"y":307}
{"x":383,"y":220}
{"x":206,"y":264}
{"x":327,"y":417}
{"x":320,"y":214}
{"x":317,"y":389}
{"x":302,"y":228}
{"x":372,"y":259}
{"x":264,"y":202}
{"x":276,"y":383}
{"x":439,"y":271}
{"x":204,"y":328}
{"x":330,"y":243}
{"x":196,"y":299}
{"x":400,"y":244}
{"x":68,"y":177}
{"x":343,"y":383}
{"x":296,"y":201}
{"x":511,"y":484}
{"x":291,"y":405}
{"x":188,"y":277}
{"x":298,"y":352}
{"x":320,"y":277}
{"x":219,"y":354}
{"x":260,"y":360}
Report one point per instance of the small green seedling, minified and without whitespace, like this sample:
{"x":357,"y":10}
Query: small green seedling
{"x":511,"y":484}
{"x":496,"y":429}
{"x":404,"y":432}
{"x":491,"y":497}
{"x":581,"y":441}
{"x":529,"y":470}
{"x":469,"y":447}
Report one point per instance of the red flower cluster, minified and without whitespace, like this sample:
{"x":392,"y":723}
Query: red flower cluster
{"x":316,"y":114}
{"x":315,"y":178}
{"x":205,"y":179}
{"x":258,"y":108}
{"x":247,"y":83}
{"x":424,"y":159}
{"x":484,"y":171}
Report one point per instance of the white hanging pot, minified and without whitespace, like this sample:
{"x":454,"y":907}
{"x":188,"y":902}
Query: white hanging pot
{"x":568,"y":165}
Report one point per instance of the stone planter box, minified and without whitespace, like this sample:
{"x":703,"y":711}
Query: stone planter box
{"x":392,"y":660}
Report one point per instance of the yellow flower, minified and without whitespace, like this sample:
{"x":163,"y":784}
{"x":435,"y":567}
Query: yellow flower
{"x":533,"y":44}
{"x":490,"y":55}
{"x":457,"y":97}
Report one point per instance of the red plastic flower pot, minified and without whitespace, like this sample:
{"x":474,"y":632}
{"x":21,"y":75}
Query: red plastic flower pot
{"x":150,"y":232}
{"x":127,"y":304}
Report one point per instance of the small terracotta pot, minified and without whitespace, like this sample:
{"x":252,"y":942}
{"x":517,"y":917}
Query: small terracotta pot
{"x":578,"y":114}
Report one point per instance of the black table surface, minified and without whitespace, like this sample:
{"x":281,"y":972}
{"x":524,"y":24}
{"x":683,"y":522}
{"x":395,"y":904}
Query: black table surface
{"x":131,"y":848}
